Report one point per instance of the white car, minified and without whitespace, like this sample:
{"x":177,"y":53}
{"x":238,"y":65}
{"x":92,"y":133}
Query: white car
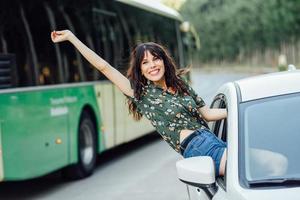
{"x":262,"y":132}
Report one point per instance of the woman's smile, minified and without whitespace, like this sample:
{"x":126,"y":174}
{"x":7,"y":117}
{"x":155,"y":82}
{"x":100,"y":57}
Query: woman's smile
{"x":154,"y":72}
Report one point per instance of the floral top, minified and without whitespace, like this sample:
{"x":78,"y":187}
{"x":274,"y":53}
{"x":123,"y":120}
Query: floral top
{"x":170,"y":113}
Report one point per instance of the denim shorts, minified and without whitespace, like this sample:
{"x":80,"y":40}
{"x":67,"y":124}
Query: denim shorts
{"x":205,"y":143}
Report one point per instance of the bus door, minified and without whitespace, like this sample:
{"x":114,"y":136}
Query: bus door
{"x":104,"y":20}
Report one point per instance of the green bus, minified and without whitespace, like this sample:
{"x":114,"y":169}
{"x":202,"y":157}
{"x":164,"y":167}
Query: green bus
{"x":57,"y":111}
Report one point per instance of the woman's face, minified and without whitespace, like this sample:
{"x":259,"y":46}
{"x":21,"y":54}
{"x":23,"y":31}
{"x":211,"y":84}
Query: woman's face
{"x":153,"y":68}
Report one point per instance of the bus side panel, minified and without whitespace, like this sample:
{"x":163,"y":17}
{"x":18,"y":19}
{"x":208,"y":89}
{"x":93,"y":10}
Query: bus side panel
{"x":128,"y":129}
{"x":120,"y":112}
{"x":119,"y":126}
{"x":33,"y":133}
{"x":136,"y":129}
{"x":105,"y":101}
{"x":76,"y":99}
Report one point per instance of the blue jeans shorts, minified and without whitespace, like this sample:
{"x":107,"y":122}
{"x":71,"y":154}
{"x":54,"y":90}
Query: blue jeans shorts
{"x":204,"y":143}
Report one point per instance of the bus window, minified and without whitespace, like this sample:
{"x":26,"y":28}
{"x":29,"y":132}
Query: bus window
{"x":104,"y":21}
{"x":8,"y":78}
{"x":15,"y":40}
{"x":73,"y":63}
{"x":49,"y":72}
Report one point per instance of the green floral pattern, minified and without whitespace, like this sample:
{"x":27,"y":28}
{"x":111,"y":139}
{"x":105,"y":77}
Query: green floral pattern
{"x":170,"y":113}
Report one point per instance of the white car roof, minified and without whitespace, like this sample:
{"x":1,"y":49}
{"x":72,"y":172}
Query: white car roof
{"x":269,"y":85}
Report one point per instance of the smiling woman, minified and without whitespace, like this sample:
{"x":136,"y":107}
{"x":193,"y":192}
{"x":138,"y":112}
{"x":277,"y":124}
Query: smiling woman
{"x":178,"y":116}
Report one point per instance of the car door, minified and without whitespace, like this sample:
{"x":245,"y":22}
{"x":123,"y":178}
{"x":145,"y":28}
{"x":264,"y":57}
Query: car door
{"x":219,"y":128}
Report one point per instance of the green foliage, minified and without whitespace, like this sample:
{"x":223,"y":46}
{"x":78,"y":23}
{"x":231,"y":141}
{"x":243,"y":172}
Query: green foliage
{"x":282,"y":67}
{"x":228,"y":28}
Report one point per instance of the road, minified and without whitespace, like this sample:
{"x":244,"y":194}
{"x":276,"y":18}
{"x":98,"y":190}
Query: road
{"x":141,"y":170}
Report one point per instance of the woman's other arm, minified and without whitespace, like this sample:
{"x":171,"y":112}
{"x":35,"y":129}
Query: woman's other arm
{"x":104,"y":67}
{"x":209,"y":114}
{"x":213,"y":114}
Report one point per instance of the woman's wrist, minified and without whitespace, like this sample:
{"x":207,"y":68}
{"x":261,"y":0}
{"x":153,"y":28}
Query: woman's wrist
{"x":71,"y":37}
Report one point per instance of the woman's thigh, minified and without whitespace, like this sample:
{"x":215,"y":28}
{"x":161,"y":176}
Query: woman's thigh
{"x":204,"y":144}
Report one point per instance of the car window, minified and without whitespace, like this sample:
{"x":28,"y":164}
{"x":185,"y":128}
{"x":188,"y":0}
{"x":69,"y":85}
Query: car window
{"x":219,"y":128}
{"x":270,"y":137}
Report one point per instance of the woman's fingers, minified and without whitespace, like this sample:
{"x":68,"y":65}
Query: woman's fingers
{"x":59,"y":36}
{"x":53,"y":35}
{"x":60,"y":32}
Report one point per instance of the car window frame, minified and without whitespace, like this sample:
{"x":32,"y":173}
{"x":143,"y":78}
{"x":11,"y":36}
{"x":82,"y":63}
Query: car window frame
{"x":220,"y":102}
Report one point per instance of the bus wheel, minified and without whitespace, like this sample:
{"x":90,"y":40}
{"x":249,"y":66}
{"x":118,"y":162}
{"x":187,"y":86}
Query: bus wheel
{"x":87,"y":152}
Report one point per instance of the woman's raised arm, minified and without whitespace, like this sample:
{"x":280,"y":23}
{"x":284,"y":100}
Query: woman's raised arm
{"x":104,"y":67}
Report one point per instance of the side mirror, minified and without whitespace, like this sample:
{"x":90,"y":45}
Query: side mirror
{"x":198,"y":172}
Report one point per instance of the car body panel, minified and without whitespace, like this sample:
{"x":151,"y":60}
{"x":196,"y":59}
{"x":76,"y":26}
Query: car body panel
{"x":268,"y":85}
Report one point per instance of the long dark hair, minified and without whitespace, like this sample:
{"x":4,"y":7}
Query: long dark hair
{"x":138,"y":81}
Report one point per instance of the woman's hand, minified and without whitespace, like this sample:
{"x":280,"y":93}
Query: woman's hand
{"x":60,"y":36}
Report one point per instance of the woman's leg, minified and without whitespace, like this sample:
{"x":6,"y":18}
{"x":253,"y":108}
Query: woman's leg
{"x":207,"y":144}
{"x":223,"y":163}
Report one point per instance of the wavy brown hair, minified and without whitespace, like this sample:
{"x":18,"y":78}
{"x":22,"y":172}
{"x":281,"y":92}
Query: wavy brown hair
{"x":138,"y":81}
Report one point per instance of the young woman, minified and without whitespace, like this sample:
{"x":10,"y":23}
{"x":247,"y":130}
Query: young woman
{"x":155,"y":90}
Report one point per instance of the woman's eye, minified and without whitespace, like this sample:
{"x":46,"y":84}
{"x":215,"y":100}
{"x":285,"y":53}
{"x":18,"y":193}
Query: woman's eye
{"x":144,"y":63}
